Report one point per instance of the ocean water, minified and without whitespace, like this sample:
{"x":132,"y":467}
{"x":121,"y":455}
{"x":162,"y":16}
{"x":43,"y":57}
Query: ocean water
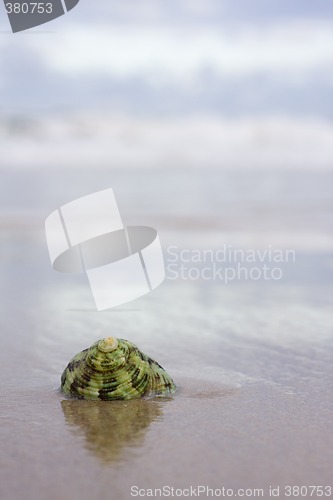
{"x":252,"y":358}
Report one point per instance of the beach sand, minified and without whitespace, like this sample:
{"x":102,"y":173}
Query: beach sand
{"x":252,"y":361}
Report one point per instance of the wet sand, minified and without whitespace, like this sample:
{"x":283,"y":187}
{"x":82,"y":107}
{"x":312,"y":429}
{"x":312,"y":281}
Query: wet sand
{"x":250,"y":411}
{"x":252,"y":362}
{"x":253,"y":436}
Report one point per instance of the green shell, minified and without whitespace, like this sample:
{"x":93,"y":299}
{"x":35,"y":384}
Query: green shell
{"x":115,"y":369}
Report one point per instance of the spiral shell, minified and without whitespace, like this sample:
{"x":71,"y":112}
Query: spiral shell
{"x":115,"y":369}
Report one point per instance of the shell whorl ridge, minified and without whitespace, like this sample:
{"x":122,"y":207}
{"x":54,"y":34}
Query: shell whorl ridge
{"x":115,"y":369}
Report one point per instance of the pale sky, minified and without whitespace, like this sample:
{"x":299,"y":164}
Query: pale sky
{"x":184,"y":56}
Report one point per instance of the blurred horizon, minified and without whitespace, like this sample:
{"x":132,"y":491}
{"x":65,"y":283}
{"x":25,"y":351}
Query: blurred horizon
{"x":153,"y":83}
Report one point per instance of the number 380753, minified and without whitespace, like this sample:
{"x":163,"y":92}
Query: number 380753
{"x":29,"y":8}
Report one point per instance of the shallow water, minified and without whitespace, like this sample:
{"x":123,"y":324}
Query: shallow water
{"x":252,"y":361}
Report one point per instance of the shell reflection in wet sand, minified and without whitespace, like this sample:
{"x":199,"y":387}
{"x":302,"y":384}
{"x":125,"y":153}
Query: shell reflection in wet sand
{"x":109,"y":428}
